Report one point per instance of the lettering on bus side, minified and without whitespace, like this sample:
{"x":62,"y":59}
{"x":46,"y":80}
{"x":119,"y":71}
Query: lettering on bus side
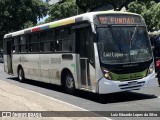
{"x":56,"y":60}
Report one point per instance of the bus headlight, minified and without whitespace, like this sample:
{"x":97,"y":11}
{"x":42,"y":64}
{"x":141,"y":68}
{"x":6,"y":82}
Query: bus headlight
{"x":151,"y":68}
{"x":106,"y":74}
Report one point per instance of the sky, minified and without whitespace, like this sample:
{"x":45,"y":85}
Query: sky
{"x":44,"y":18}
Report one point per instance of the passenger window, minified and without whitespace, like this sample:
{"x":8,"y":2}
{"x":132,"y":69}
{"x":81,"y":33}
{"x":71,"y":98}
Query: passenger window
{"x":63,"y":40}
{"x":47,"y":41}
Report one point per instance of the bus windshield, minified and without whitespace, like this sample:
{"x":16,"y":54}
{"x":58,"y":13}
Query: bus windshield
{"x":123,"y":44}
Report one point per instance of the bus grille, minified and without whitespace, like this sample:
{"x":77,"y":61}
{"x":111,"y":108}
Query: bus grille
{"x":129,"y":76}
{"x":133,"y":84}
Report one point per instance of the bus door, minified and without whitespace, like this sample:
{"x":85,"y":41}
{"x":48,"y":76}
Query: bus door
{"x":9,"y":56}
{"x":83,"y":46}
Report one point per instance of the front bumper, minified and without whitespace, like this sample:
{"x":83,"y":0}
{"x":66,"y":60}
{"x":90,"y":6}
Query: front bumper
{"x":109,"y":86}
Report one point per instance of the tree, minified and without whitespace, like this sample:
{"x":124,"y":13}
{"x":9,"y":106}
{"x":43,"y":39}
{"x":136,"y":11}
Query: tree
{"x":62,"y":10}
{"x":149,"y":10}
{"x":14,"y":14}
{"x":68,"y":8}
{"x":89,"y":5}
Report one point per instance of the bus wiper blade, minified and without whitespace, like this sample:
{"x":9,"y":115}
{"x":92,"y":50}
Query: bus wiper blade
{"x":131,"y":40}
{"x":114,"y":36}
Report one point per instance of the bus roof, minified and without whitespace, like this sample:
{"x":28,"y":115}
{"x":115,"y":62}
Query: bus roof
{"x":75,"y":19}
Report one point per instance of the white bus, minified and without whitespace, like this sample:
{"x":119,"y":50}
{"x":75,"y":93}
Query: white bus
{"x":101,"y":52}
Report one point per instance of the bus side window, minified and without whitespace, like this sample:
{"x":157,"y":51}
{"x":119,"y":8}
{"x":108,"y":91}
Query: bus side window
{"x":23,"y":44}
{"x":51,"y":46}
{"x":42,"y":40}
{"x":57,"y":44}
{"x":34,"y":42}
{"x":46,"y":41}
{"x":63,"y":40}
{"x":15,"y":45}
{"x":84,"y":43}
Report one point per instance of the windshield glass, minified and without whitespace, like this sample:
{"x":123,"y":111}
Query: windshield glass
{"x":123,"y":44}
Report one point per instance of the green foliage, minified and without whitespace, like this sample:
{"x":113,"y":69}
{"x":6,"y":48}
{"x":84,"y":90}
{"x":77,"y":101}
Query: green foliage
{"x":69,"y":7}
{"x":87,"y":5}
{"x":63,"y":10}
{"x":19,"y":14}
{"x":150,"y":10}
{"x":28,"y":24}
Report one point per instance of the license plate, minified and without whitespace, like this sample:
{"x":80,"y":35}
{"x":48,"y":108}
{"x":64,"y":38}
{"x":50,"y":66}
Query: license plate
{"x":133,"y":83}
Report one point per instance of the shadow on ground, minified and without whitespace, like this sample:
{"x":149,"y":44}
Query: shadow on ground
{"x":103,"y":99}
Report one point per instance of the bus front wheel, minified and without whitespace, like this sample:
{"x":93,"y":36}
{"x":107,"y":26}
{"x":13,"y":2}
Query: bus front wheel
{"x":21,"y":75}
{"x":69,"y":83}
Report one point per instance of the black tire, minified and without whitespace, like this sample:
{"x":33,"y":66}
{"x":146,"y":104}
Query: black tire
{"x":21,"y":75}
{"x":69,"y":83}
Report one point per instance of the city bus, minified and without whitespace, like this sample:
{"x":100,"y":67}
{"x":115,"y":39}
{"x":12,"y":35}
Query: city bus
{"x":100,"y":52}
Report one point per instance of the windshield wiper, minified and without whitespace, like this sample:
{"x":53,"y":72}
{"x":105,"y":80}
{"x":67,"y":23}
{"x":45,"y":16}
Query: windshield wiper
{"x":131,"y":40}
{"x":114,"y":36}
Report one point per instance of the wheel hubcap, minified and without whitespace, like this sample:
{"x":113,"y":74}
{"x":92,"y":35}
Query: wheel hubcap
{"x":69,"y":81}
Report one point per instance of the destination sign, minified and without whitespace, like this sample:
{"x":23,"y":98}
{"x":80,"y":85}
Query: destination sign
{"x":119,"y":19}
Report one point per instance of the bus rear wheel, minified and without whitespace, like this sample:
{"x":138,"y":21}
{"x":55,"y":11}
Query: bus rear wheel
{"x":21,"y":75}
{"x":69,"y":83}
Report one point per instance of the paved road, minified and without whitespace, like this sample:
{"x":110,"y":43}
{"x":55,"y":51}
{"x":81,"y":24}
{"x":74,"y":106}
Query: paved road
{"x":16,"y":101}
{"x":23,"y":104}
{"x":140,"y":100}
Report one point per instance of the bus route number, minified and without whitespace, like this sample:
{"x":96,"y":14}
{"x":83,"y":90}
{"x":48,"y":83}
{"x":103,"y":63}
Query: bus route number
{"x":56,"y":60}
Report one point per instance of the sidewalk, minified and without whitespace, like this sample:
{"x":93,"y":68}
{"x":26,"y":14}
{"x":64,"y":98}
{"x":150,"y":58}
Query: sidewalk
{"x":14,"y":98}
